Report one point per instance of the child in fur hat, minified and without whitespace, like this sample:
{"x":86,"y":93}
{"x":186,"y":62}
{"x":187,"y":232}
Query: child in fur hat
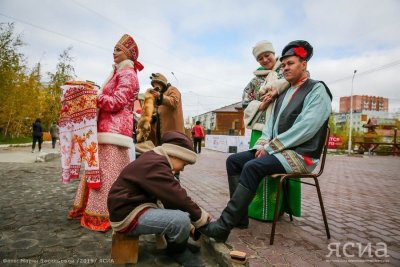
{"x":147,"y":199}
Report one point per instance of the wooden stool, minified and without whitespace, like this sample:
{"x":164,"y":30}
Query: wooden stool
{"x":124,"y":249}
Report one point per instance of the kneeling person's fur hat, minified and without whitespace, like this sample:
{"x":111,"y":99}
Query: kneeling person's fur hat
{"x":179,"y":145}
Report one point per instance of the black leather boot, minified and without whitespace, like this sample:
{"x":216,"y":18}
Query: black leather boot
{"x":231,"y":215}
{"x":182,"y":255}
{"x":233,"y":182}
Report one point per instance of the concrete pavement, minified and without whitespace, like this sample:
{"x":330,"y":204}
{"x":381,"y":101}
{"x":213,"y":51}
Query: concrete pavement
{"x":360,"y":196}
{"x":20,"y":153}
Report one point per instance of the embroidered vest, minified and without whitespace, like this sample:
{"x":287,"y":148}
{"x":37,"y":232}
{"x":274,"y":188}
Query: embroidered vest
{"x":312,"y":147}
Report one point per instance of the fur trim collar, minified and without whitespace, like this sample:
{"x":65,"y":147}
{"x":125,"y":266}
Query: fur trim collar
{"x":127,"y":63}
{"x":115,"y":139}
{"x":124,"y":64}
{"x":264,"y":72}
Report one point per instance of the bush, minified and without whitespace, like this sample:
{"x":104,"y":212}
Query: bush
{"x":383,"y":150}
{"x":15,"y":140}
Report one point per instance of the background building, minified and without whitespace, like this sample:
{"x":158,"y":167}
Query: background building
{"x":364,"y":108}
{"x":364,"y":102}
{"x":227,"y":120}
{"x":359,"y":118}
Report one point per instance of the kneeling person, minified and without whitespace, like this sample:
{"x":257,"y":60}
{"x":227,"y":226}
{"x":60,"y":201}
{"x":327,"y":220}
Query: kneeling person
{"x":147,"y":199}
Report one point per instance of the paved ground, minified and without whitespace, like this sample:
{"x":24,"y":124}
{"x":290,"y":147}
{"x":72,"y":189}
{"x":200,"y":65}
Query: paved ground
{"x":34,"y":229}
{"x":360,"y":195}
{"x":23,"y":154}
{"x":362,"y":205}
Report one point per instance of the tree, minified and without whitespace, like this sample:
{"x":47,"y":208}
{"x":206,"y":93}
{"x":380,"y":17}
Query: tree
{"x":11,"y":62}
{"x":12,"y":69}
{"x":331,"y":124}
{"x":23,"y":97}
{"x":64,"y":72}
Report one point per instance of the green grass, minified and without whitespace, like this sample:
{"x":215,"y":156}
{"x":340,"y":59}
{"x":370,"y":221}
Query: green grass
{"x":16,"y":140}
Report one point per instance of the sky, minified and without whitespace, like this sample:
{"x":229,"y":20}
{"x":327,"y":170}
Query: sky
{"x":204,"y":48}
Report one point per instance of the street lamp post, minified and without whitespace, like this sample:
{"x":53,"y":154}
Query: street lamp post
{"x":177,"y":82}
{"x":351,"y":113}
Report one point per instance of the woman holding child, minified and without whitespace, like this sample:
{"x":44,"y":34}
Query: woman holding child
{"x":257,"y":102}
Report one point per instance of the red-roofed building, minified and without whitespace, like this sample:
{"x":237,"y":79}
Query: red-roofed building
{"x":227,"y":120}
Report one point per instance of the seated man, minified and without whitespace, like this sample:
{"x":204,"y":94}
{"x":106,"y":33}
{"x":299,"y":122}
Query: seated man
{"x":291,"y":141}
{"x":147,"y":199}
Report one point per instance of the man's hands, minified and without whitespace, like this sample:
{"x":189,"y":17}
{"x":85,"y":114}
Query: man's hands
{"x":261,"y":152}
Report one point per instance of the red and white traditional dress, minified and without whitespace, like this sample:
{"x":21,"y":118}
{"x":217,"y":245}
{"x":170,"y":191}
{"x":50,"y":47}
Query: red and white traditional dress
{"x":115,"y":130}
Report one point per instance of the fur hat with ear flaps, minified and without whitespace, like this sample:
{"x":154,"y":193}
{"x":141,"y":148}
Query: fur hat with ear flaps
{"x":179,"y":145}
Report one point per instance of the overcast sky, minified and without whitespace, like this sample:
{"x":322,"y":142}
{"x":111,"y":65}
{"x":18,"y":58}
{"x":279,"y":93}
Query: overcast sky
{"x":205,"y":47}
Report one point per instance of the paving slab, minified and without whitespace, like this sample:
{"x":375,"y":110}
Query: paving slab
{"x":34,"y":229}
{"x":360,"y":196}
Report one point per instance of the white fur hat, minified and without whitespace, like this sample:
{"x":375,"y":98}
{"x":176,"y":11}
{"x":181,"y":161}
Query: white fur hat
{"x":261,"y":47}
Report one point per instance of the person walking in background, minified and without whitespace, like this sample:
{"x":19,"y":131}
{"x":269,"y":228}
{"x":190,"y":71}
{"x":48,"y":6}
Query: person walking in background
{"x":114,"y":131}
{"x":198,"y":136}
{"x":37,"y":135}
{"x":54,"y":132}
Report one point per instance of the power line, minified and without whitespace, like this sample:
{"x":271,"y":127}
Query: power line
{"x":72,"y":38}
{"x":104,"y":48}
{"x":56,"y":33}
{"x":119,"y":26}
{"x":169,"y":52}
{"x":389,"y":65}
{"x":386,"y":66}
{"x":193,"y":93}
